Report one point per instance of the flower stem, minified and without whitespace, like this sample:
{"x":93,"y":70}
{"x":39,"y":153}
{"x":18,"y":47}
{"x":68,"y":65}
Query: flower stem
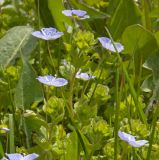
{"x":117,"y":95}
{"x":131,"y":87}
{"x":153,"y":126}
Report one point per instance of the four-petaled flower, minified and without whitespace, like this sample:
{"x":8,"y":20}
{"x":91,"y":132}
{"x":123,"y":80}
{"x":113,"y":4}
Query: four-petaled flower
{"x":131,"y":139}
{"x":52,"y":81}
{"x":18,"y":156}
{"x":84,"y":76}
{"x":107,"y":43}
{"x":47,"y":34}
{"x":79,"y":13}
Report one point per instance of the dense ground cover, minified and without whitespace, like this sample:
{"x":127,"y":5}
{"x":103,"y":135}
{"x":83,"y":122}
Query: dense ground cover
{"x":79,"y":79}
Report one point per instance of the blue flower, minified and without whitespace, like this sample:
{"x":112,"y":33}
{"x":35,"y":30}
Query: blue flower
{"x":52,"y":81}
{"x":18,"y":156}
{"x":47,"y":34}
{"x":131,"y":139}
{"x":84,"y":76}
{"x":5,"y":129}
{"x":106,"y":43}
{"x":79,"y":13}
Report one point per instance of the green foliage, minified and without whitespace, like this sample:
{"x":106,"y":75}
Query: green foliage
{"x":80,"y":120}
{"x":72,"y":147}
{"x":84,"y":40}
{"x":123,"y":17}
{"x":28,"y":89}
{"x":17,"y":41}
{"x":55,"y":108}
{"x":140,"y":43}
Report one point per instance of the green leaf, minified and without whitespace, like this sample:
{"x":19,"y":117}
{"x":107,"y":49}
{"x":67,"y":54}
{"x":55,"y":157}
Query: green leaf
{"x":148,"y":84}
{"x":28,"y":89}
{"x":140,"y":43}
{"x":45,"y":13}
{"x":55,"y":108}
{"x":125,"y":14}
{"x":86,"y":146}
{"x":72,"y":147}
{"x":17,"y":40}
{"x":152,"y":83}
{"x":33,"y":121}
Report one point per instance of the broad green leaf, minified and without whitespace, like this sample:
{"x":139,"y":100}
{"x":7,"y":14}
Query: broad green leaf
{"x":152,"y":83}
{"x":45,"y":13}
{"x":28,"y":89}
{"x":17,"y":40}
{"x":140,"y":43}
{"x":148,"y":84}
{"x":72,"y":150}
{"x":113,"y":4}
{"x":56,"y":8}
{"x":125,"y":15}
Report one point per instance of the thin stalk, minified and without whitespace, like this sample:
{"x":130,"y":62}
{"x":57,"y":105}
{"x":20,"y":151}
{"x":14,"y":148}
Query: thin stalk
{"x":26,"y":132}
{"x":51,"y":56}
{"x":153,"y":126}
{"x":95,"y":87}
{"x":117,"y":96}
{"x":131,"y":87}
{"x":11,"y":134}
{"x":139,"y":78}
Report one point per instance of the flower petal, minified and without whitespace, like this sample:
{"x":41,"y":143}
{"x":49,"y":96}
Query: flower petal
{"x":38,"y":34}
{"x":47,"y":33}
{"x":5,"y":129}
{"x":106,"y":43}
{"x":31,"y":156}
{"x":84,"y":76}
{"x":14,"y":156}
{"x":139,"y":143}
{"x":67,"y":13}
{"x":79,"y":13}
{"x":126,"y":137}
{"x":52,"y":81}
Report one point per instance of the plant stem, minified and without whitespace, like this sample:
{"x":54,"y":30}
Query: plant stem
{"x":132,"y":90}
{"x":11,"y":134}
{"x":116,"y":114}
{"x":153,"y":126}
